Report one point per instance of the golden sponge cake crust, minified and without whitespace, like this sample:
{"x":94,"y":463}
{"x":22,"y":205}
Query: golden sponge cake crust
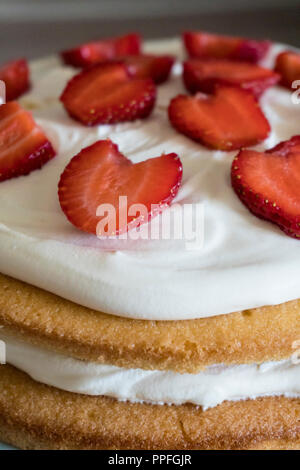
{"x":44,"y":319}
{"x":36,"y":416}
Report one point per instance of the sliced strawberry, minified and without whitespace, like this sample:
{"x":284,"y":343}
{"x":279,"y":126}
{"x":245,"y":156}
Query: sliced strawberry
{"x":268,"y":183}
{"x":149,"y":66}
{"x":106,"y":94}
{"x":202,"y":44}
{"x":288,"y":66}
{"x":15,"y":75}
{"x":92,"y":53}
{"x":100,"y":174}
{"x":205,"y":74}
{"x":228,"y":120}
{"x":23,"y":145}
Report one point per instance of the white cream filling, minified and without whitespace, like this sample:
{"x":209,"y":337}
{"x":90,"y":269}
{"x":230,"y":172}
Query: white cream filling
{"x":245,"y":262}
{"x":207,"y":389}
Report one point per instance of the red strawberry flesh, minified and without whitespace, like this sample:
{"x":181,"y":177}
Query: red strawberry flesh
{"x":95,"y":52}
{"x":205,"y":74}
{"x":23,"y":145}
{"x":202,"y":44}
{"x":268,"y":183}
{"x":99,"y":174}
{"x":228,"y":120}
{"x":149,"y":66}
{"x":106,"y":94}
{"x":288,"y":66}
{"x":15,"y":75}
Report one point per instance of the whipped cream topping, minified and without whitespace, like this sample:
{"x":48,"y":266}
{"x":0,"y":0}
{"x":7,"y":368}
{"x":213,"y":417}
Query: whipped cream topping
{"x":244,"y":263}
{"x":207,"y":389}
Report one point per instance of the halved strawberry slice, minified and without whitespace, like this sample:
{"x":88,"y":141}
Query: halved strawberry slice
{"x":15,"y":75}
{"x":100,"y":174}
{"x":202,"y":44}
{"x":205,"y":74}
{"x":149,"y":66}
{"x":94,"y":52}
{"x":228,"y":120}
{"x":106,"y":94}
{"x":268,"y":183}
{"x":23,"y":145}
{"x":288,"y":66}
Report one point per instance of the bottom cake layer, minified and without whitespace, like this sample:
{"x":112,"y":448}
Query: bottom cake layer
{"x":36,"y":416}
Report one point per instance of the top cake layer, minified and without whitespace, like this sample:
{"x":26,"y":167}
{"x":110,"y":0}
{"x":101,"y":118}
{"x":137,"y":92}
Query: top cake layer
{"x":244,"y":263}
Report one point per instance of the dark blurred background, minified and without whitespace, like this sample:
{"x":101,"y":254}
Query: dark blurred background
{"x":33,"y":28}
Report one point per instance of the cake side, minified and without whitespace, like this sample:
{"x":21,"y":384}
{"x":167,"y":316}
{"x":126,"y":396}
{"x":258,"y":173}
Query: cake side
{"x":43,"y":319}
{"x":36,"y":416}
